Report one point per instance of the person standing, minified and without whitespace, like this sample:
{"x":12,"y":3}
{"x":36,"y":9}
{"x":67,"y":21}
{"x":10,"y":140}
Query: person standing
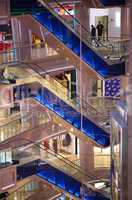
{"x":100,"y":29}
{"x":93,"y":33}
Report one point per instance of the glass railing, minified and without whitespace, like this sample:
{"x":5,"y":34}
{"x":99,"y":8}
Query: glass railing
{"x":53,"y":85}
{"x":105,"y":46}
{"x":22,"y":123}
{"x":7,"y":53}
{"x":73,"y":99}
{"x":21,"y":51}
{"x":104,"y":104}
{"x":102,"y":161}
{"x":23,"y":192}
{"x":36,"y":151}
{"x":31,"y":189}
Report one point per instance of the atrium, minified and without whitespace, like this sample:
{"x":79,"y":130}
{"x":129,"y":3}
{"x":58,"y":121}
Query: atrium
{"x":65,"y":100}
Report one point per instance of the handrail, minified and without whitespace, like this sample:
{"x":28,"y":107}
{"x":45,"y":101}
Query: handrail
{"x":60,"y":5}
{"x":73,"y":165}
{"x":88,"y":109}
{"x":13,"y":120}
{"x":85,"y":104}
{"x":110,"y":46}
{"x":52,"y":153}
{"x":78,"y":23}
{"x":98,"y":43}
{"x":47,"y":73}
{"x":21,"y":128}
{"x":19,"y":188}
{"x":29,"y":116}
{"x":89,"y":42}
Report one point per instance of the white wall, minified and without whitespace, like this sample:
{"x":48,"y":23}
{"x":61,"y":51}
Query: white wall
{"x":114,"y":25}
{"x":114,"y":29}
{"x":96,"y":13}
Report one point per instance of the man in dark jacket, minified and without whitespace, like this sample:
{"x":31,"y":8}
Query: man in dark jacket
{"x":100,"y":29}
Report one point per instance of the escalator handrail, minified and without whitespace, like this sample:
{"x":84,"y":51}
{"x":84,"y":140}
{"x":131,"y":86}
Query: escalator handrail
{"x":38,"y":146}
{"x":87,"y":104}
{"x":13,"y":120}
{"x":21,"y":131}
{"x":30,"y":65}
{"x":14,"y":191}
{"x":97,"y":42}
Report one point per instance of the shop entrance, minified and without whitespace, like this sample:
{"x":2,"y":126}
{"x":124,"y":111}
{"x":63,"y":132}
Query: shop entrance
{"x":104,"y":21}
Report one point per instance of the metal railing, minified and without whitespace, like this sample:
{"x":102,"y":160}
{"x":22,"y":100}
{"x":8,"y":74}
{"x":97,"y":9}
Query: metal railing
{"x":48,"y":81}
{"x":23,"y":51}
{"x":50,"y":156}
{"x":52,"y":84}
{"x":102,"y":161}
{"x":27,"y":122}
{"x":109,"y":48}
{"x":106,"y":48}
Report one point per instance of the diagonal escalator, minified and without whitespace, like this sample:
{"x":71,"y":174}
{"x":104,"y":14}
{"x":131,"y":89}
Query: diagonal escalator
{"x":75,"y":111}
{"x":79,"y":44}
{"x":55,"y":169}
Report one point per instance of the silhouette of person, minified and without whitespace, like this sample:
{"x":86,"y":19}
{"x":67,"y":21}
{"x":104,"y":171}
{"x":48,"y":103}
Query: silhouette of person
{"x":93,"y":33}
{"x":99,"y":28}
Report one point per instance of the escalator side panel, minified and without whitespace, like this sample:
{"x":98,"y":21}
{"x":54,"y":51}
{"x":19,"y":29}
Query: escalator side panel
{"x":58,"y":178}
{"x":66,"y":36}
{"x":69,"y":38}
{"x":65,"y":111}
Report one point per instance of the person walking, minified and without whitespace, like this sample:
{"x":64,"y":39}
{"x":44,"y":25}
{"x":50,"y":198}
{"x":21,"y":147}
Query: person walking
{"x":100,"y":29}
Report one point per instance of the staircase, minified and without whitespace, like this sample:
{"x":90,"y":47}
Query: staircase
{"x":70,"y":36}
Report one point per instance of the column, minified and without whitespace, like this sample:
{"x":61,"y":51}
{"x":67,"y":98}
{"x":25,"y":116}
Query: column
{"x":87,"y":156}
{"x":21,"y":38}
{"x":4,"y":9}
{"x":82,"y":14}
{"x":129,"y":101}
{"x":86,"y":83}
{"x":125,"y":28}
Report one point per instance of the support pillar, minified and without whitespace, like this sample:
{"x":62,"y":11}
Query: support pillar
{"x":87,"y":156}
{"x":4,"y":10}
{"x":21,"y":39}
{"x":82,"y":14}
{"x":129,"y":100}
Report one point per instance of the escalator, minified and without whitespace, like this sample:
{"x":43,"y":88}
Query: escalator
{"x":31,"y":189}
{"x":55,"y":97}
{"x":55,"y":169}
{"x":79,"y":44}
